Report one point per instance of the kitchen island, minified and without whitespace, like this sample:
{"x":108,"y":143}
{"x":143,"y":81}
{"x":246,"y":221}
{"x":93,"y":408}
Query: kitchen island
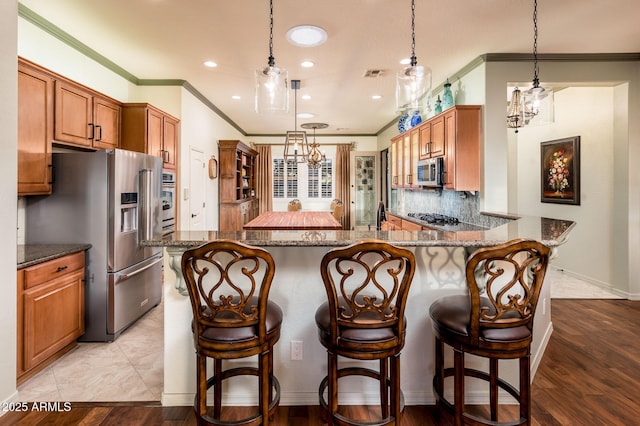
{"x":440,"y":258}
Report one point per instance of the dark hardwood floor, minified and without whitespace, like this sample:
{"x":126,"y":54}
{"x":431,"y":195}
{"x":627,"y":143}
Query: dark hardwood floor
{"x":589,"y":375}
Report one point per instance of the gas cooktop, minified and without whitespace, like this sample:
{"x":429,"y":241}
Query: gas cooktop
{"x":436,"y":219}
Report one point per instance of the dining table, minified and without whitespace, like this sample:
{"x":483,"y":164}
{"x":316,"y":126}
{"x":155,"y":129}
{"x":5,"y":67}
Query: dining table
{"x":293,"y":220}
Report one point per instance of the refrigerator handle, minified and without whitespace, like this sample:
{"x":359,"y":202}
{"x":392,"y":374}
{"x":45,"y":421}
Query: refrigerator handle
{"x":145,"y":230}
{"x":123,"y":277}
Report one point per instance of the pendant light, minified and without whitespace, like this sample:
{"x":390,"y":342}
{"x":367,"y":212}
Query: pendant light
{"x":315,"y":157}
{"x":296,"y":148}
{"x":536,"y":102}
{"x":272,"y":87}
{"x":413,"y":83}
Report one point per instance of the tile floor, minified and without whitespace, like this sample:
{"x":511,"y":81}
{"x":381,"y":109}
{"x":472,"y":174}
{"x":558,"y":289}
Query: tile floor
{"x":131,"y":368}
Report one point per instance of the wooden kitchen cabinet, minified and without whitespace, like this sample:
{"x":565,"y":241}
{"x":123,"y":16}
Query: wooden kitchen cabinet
{"x":397,"y":180}
{"x":463,"y":135}
{"x":393,"y":223}
{"x":411,"y":226}
{"x":50,"y":312}
{"x":237,"y":180}
{"x":35,"y":129}
{"x":147,"y":129}
{"x":85,"y":118}
{"x":404,"y":160}
{"x":432,"y":139}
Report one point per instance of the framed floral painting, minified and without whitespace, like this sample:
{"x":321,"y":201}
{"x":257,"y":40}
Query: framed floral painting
{"x":560,"y":171}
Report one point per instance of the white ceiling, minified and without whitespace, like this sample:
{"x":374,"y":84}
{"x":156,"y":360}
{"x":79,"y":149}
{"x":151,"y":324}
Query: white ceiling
{"x":170,"y":39}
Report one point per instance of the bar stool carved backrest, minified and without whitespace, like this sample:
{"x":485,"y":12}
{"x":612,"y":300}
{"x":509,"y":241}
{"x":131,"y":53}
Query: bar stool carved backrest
{"x":228,"y":284}
{"x":494,"y":321}
{"x":367,"y":286}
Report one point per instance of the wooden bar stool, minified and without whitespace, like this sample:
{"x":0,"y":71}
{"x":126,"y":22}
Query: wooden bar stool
{"x":367,"y":285}
{"x":228,"y":284}
{"x":495,"y":321}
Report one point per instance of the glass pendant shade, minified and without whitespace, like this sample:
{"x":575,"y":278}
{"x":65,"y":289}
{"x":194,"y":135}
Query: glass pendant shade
{"x":539,"y":101}
{"x":413,"y":88}
{"x":272,"y":90}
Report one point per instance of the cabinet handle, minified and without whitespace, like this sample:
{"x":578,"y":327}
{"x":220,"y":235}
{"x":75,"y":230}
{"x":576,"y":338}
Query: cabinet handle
{"x":62,"y":268}
{"x":165,"y":156}
{"x":99,"y":133}
{"x":93,"y":131}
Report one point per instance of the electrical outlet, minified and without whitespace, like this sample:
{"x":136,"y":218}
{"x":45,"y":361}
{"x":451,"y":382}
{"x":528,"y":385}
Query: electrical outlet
{"x":544,"y":306}
{"x":296,"y":350}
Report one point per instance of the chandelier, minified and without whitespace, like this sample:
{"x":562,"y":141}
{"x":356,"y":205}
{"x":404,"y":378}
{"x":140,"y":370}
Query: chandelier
{"x":523,"y":107}
{"x":315,"y":157}
{"x":296,"y":148}
{"x":413,"y":83}
{"x":272,"y":90}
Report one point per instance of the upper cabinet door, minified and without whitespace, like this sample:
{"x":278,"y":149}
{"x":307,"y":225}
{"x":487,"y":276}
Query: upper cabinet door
{"x":106,"y":120}
{"x":35,"y":130}
{"x":74,"y":122}
{"x":170,"y":143}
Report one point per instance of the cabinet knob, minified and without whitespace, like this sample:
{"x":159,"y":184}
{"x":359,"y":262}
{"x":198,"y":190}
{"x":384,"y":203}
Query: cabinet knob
{"x":62,"y":268}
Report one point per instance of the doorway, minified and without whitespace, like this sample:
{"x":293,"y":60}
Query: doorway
{"x":365,"y":187}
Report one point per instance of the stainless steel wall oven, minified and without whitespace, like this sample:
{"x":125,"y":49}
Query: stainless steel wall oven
{"x":168,"y":199}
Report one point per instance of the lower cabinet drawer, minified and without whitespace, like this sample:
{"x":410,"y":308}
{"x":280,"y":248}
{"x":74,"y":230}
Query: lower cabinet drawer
{"x":37,"y":274}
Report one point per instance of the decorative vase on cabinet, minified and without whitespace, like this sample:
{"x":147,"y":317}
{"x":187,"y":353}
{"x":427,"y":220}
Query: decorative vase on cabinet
{"x":416,"y":118}
{"x":447,"y":96}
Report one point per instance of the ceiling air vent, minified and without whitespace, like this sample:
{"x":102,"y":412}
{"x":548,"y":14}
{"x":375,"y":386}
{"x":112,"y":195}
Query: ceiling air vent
{"x":374,"y":73}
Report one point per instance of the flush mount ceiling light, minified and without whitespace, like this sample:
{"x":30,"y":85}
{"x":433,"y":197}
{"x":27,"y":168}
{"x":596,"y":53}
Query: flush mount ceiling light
{"x":272,"y":86}
{"x":413,"y":83}
{"x":210,"y":64}
{"x":306,"y":35}
{"x":296,"y":148}
{"x":315,"y":157}
{"x":536,"y":101}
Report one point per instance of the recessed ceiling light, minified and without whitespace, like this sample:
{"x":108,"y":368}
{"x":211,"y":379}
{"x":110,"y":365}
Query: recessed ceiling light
{"x":307,"y":64}
{"x":306,"y":97}
{"x":376,"y":97}
{"x":235,"y":97}
{"x":210,"y":64}
{"x":305,"y":115}
{"x":405,"y":61}
{"x":306,"y":35}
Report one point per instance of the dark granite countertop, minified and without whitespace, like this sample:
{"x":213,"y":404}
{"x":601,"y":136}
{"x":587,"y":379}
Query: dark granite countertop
{"x":552,"y":232}
{"x":32,"y":254}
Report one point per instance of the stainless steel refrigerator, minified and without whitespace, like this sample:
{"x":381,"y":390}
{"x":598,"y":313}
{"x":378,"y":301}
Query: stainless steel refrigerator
{"x":111,"y":200}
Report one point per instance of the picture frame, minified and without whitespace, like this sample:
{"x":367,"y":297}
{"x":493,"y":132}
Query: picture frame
{"x":560,"y":171}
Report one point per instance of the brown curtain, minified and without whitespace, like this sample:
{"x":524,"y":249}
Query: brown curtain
{"x":263,"y":181}
{"x":342,"y":182}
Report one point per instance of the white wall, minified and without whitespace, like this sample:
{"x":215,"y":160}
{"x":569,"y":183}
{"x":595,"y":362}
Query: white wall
{"x":49,"y":52}
{"x":8,"y":189}
{"x":586,"y":112}
{"x":624,"y":238}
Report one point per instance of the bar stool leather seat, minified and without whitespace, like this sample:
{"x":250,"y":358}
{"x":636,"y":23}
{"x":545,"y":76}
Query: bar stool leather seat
{"x":494,"y":321}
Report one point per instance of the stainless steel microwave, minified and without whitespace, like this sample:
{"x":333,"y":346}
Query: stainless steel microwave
{"x":431,"y":172}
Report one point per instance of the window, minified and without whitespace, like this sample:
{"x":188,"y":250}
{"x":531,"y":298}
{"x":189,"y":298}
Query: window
{"x":313,"y":187}
{"x":285,"y":183}
{"x":320,"y":181}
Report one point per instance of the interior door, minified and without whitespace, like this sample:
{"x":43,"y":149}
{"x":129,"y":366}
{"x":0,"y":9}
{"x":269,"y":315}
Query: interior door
{"x":365,"y":187}
{"x":197,"y":179}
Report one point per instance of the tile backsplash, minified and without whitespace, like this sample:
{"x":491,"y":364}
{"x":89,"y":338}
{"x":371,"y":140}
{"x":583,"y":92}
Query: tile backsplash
{"x":22,"y":210}
{"x":463,"y":205}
